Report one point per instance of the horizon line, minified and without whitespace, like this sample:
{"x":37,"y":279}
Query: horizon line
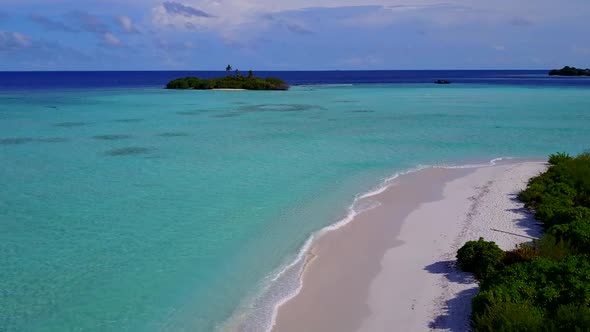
{"x":261,"y":70}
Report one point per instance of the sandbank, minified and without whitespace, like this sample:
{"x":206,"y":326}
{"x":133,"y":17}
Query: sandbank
{"x":393,"y":267}
{"x":228,"y":89}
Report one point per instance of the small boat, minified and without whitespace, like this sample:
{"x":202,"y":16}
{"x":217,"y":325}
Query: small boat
{"x":442,"y":82}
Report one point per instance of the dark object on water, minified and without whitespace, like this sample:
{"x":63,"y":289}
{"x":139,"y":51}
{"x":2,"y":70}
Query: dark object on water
{"x":442,"y":82}
{"x":570,"y":71}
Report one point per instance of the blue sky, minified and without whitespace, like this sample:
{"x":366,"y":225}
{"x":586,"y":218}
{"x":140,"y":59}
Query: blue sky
{"x":291,"y":35}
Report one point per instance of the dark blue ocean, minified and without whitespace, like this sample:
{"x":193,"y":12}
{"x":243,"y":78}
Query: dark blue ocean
{"x":117,"y":79}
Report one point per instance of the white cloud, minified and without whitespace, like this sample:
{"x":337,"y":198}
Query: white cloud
{"x":377,"y":18}
{"x":229,"y":13}
{"x":126,"y":24}
{"x":13,"y":41}
{"x":111,"y":40}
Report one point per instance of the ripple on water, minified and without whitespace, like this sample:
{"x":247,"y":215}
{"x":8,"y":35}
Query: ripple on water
{"x":111,"y":137}
{"x":195,"y":112}
{"x":128,"y":120}
{"x":279,"y":108}
{"x":70,"y":124}
{"x":15,"y":140}
{"x":172,"y":134}
{"x":129,"y":151}
{"x":24,"y":140}
{"x":226,"y":115}
{"x":52,"y":140}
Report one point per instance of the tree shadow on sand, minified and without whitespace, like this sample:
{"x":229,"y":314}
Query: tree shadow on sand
{"x":456,"y":311}
{"x":451,"y":272}
{"x":526,"y":221}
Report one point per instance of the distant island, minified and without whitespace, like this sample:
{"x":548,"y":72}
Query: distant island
{"x":442,"y":82}
{"x":570,"y":71}
{"x":230,"y":82}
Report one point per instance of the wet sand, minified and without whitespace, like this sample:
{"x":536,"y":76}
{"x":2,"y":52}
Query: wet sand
{"x":392,"y":267}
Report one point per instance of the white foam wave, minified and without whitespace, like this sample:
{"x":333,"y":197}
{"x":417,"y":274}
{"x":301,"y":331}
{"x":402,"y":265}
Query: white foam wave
{"x":326,"y":85}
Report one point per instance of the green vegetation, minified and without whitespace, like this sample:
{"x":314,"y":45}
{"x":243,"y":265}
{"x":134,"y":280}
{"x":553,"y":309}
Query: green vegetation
{"x":479,"y":257}
{"x":543,"y":286}
{"x":236,"y":81}
{"x":228,"y":82}
{"x":570,"y":71}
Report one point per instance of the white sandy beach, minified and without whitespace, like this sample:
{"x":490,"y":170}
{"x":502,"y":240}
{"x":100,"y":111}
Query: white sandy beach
{"x":228,"y":89}
{"x":392,"y":267}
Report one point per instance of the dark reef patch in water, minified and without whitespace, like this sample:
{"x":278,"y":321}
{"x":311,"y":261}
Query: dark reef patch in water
{"x":363,"y":111}
{"x":70,"y":124}
{"x":346,"y":101}
{"x":128,"y":120}
{"x":25,"y":140}
{"x":195,"y":112}
{"x":15,"y":140}
{"x":129,"y":151}
{"x":171,"y":134}
{"x":111,"y":137}
{"x":226,"y":115}
{"x":52,"y":140}
{"x":279,"y":108}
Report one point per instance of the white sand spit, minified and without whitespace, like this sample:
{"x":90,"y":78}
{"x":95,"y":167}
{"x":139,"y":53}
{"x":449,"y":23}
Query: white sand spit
{"x":393,"y":267}
{"x":437,"y":296}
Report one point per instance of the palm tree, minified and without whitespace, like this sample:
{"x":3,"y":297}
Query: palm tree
{"x":228,"y":68}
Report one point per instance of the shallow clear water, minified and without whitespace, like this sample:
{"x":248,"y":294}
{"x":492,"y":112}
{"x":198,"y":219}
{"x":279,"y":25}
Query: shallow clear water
{"x":154,"y":210}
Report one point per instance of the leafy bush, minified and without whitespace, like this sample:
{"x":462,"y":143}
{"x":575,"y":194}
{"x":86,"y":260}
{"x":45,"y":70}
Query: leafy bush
{"x":571,"y":317}
{"x":577,"y":233}
{"x":559,"y":157}
{"x":544,"y":286}
{"x":523,"y":253}
{"x":509,"y":317}
{"x":554,"y":248}
{"x":479,"y":257}
{"x":566,"y":184}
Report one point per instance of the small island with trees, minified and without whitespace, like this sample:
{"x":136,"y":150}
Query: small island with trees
{"x":230,"y":82}
{"x":570,"y":71}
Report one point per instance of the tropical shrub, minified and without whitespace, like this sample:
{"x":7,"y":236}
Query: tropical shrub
{"x":557,"y":158}
{"x":479,"y":257}
{"x":577,"y":233}
{"x":523,"y":253}
{"x":509,"y":317}
{"x":571,"y":317}
{"x":543,"y":286}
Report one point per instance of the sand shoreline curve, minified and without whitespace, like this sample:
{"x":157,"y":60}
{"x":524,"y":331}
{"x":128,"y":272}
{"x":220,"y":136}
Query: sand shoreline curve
{"x":392,"y":266}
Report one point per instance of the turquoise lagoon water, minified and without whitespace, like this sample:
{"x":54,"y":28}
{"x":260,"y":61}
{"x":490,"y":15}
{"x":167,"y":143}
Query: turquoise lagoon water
{"x":155,"y":210}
